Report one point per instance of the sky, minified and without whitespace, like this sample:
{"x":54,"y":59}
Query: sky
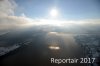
{"x":68,"y":9}
{"x":23,"y":13}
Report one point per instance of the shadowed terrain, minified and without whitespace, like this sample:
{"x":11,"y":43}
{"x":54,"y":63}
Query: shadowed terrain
{"x":38,"y":45}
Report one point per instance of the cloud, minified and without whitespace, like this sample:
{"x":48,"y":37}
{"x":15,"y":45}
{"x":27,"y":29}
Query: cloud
{"x":7,"y":18}
{"x":7,"y":7}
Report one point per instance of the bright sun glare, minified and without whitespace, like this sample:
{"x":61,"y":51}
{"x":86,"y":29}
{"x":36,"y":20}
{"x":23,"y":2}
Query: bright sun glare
{"x":54,"y":13}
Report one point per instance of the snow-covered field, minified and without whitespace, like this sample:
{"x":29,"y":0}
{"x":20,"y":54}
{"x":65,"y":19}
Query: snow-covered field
{"x":91,"y":45}
{"x":5,"y":50}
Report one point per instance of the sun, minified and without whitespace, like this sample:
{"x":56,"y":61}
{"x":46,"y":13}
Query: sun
{"x":54,"y":13}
